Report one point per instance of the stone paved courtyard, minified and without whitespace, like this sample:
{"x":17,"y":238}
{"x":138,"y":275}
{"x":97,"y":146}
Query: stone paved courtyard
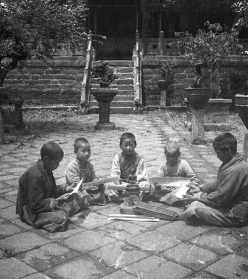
{"x":95,"y":247}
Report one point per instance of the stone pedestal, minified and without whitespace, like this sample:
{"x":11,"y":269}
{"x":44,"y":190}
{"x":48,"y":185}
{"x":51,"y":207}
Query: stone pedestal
{"x":197,"y":101}
{"x":104,"y":97}
{"x":163,"y":94}
{"x":10,"y":110}
{"x":198,"y":126}
{"x":245,"y":147}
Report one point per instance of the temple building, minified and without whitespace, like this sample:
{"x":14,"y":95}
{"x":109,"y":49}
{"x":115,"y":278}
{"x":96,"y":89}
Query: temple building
{"x":119,"y":20}
{"x":141,"y":35}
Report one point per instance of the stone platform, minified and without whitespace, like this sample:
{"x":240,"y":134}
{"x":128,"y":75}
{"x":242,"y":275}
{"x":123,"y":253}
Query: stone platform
{"x":95,"y":247}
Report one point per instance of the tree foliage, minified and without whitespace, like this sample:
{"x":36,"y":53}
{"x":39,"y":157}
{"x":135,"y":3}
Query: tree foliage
{"x":241,"y":8}
{"x":36,"y":27}
{"x":211,"y":44}
{"x":199,"y":4}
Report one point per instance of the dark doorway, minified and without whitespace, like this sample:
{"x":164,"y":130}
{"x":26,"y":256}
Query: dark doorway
{"x":118,"y":23}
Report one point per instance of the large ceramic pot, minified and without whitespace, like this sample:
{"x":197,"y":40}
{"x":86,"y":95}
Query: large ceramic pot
{"x":104,"y":96}
{"x":197,"y":97}
{"x":241,"y":106}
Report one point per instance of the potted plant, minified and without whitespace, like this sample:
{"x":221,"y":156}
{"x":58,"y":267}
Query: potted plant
{"x":104,"y":94}
{"x":205,"y":51}
{"x":167,"y":78}
{"x":104,"y":72}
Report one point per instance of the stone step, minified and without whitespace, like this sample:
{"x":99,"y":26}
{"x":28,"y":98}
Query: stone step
{"x":114,"y":110}
{"x":28,"y":73}
{"x":49,"y":107}
{"x":118,"y":63}
{"x":119,"y":81}
{"x":77,"y":61}
{"x":44,"y":82}
{"x":125,"y":87}
{"x":117,"y":97}
{"x":125,"y":92}
{"x":121,"y":70}
{"x":121,"y":87}
{"x":93,"y":109}
{"x":124,"y":81}
{"x":72,"y":87}
{"x":115,"y":103}
{"x":125,"y":75}
{"x":43,"y":77}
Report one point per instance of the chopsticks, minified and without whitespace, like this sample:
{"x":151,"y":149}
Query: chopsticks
{"x":129,"y":217}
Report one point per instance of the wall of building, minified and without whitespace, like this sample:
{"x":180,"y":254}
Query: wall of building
{"x":232,"y":78}
{"x":56,"y":81}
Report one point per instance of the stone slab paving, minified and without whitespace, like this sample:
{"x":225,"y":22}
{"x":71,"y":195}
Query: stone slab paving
{"x":94,"y":247}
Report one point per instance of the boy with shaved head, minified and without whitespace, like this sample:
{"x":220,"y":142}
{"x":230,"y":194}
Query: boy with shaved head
{"x":37,"y":203}
{"x":174,"y":165}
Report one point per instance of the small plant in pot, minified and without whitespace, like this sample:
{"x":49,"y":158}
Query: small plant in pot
{"x":105,"y":73}
{"x":104,"y":94}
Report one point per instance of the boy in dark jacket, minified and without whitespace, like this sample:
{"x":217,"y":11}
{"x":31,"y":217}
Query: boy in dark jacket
{"x":37,"y":203}
{"x":225,"y":202}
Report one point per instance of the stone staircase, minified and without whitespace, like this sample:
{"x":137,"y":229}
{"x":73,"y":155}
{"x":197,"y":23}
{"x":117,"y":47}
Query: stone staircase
{"x":123,"y":102}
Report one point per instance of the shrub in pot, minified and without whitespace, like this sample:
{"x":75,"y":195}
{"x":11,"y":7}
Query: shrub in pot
{"x":206,"y":49}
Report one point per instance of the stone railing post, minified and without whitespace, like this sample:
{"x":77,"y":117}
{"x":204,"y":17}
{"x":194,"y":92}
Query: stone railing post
{"x":161,"y":42}
{"x":84,"y":102}
{"x":137,"y":69}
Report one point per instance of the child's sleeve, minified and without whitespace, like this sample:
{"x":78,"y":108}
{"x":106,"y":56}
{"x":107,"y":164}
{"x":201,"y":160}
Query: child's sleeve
{"x":92,"y":173}
{"x":187,"y":171}
{"x":141,"y":171}
{"x":36,"y":195}
{"x":115,"y":169}
{"x":72,"y":174}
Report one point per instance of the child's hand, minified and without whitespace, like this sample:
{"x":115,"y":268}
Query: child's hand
{"x":112,"y":193}
{"x":193,"y":189}
{"x":53,"y":203}
{"x":69,"y":188}
{"x":145,"y":186}
{"x":194,"y":197}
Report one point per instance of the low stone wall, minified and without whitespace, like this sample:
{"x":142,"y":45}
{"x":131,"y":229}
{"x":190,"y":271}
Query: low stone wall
{"x":55,"y":82}
{"x":232,"y":78}
{"x":59,"y":82}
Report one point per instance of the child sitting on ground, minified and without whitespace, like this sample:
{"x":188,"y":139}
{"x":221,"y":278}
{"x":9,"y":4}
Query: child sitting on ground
{"x":173,"y":164}
{"x":80,"y":168}
{"x":37,"y":202}
{"x":128,"y":167}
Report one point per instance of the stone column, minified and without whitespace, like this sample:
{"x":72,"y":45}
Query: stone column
{"x":197,"y":100}
{"x":161,"y":42}
{"x":198,"y":126}
{"x":163,"y":94}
